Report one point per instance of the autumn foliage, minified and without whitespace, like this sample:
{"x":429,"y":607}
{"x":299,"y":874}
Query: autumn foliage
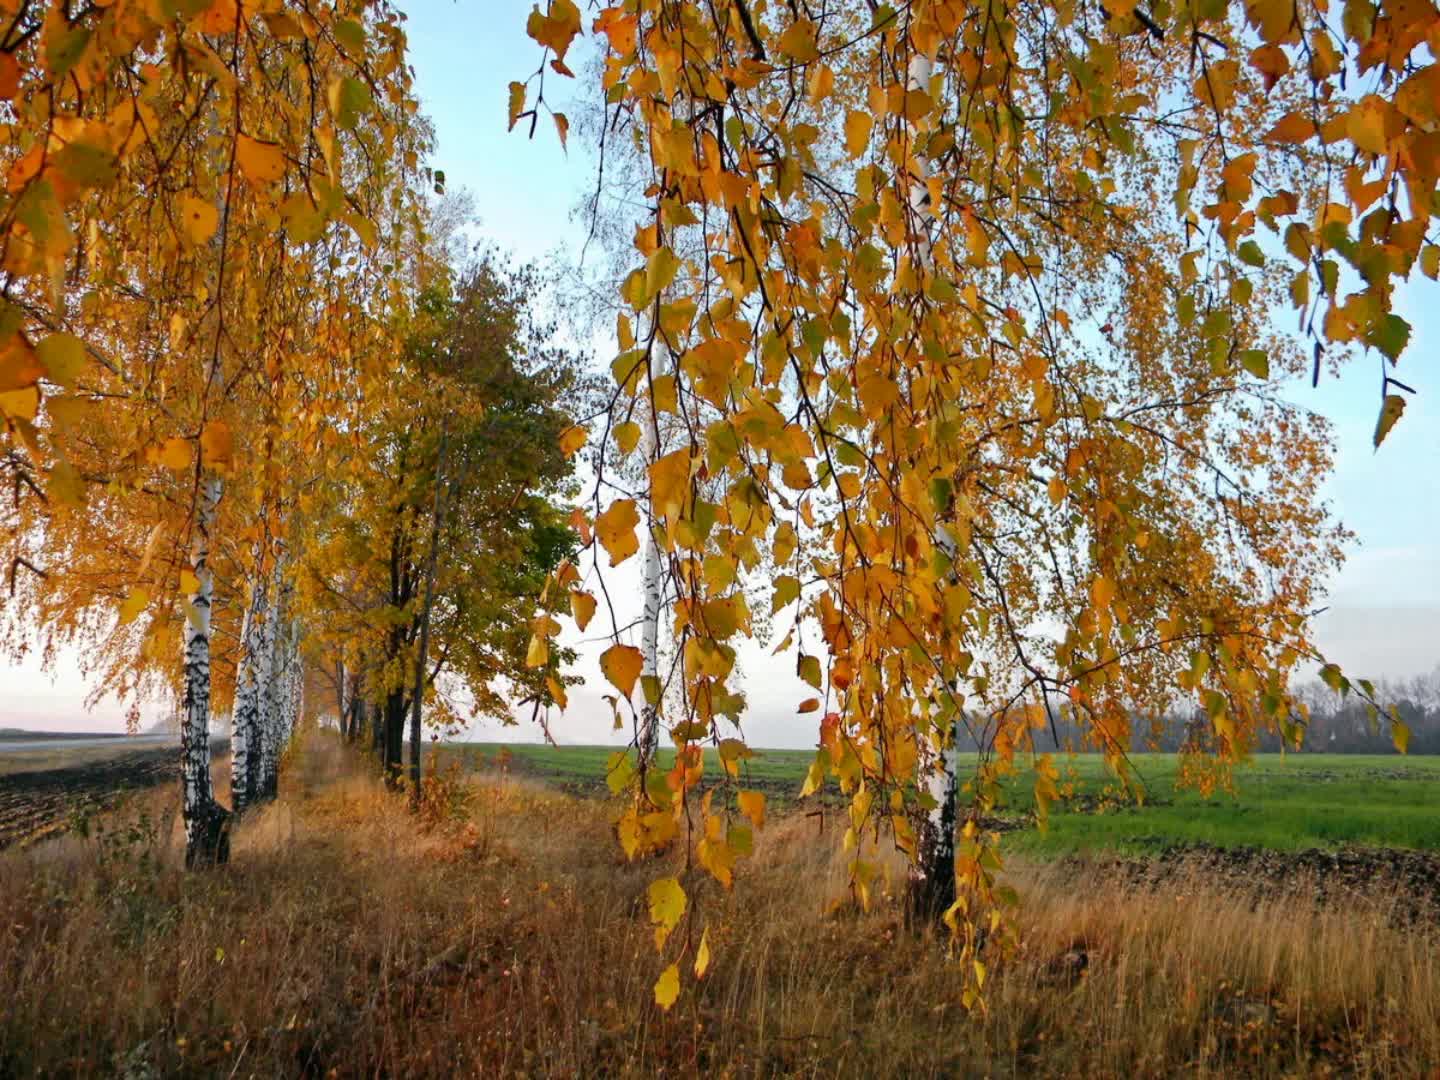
{"x":953,"y":343}
{"x":962,"y":323}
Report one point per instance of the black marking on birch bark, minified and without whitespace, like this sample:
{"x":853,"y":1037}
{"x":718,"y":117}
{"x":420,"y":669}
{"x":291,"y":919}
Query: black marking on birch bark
{"x":206,"y":829}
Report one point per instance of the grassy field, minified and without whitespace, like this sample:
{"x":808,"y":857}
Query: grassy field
{"x":508,"y":937}
{"x":1285,"y":802}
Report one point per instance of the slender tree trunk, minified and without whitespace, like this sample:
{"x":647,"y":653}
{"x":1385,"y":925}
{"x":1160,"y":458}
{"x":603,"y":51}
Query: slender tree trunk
{"x":342,"y":712}
{"x":207,"y":829}
{"x":648,"y":737}
{"x":266,"y":782}
{"x":395,"y":738}
{"x":253,"y":670}
{"x":932,"y":886}
{"x":296,"y":714}
{"x":437,"y":513}
{"x":351,"y":717}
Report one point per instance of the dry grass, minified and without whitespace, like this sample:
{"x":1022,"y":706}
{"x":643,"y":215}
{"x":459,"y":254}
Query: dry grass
{"x":341,"y":941}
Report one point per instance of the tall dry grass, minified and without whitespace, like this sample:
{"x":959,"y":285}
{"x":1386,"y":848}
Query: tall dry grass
{"x":342,"y":941}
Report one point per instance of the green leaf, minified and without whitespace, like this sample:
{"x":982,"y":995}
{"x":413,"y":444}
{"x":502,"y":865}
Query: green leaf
{"x":660,"y":272}
{"x":1256,"y":363}
{"x":787,"y":590}
{"x":64,"y":48}
{"x":1250,"y":254}
{"x":1390,"y":334}
{"x":350,"y":100}
{"x":619,"y":771}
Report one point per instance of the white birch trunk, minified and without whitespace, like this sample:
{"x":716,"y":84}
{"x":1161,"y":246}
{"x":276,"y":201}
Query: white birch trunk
{"x":934,"y":888}
{"x":271,"y":695}
{"x":206,"y":828}
{"x":250,"y":679}
{"x":296,"y":684}
{"x":649,"y":733}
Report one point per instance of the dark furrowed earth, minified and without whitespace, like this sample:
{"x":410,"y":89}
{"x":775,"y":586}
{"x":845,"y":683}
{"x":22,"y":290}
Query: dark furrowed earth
{"x":37,"y":803}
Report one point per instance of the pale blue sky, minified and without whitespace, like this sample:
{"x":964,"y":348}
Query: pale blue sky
{"x":1385,"y":618}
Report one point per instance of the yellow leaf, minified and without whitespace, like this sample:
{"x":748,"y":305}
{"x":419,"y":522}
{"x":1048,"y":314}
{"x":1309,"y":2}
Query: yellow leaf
{"x":616,"y":530}
{"x":798,"y":42}
{"x":582,"y":606}
{"x":63,"y":357}
{"x":619,"y":28}
{"x":1390,"y":411}
{"x":217,"y":445}
{"x":660,"y":271}
{"x":752,"y":805}
{"x":219,"y":17}
{"x":1366,"y":124}
{"x":667,"y":902}
{"x":667,"y":987}
{"x":627,"y":435}
{"x":261,"y":162}
{"x":821,"y":83}
{"x":517,"y":103}
{"x":670,"y":483}
{"x":857,"y":132}
{"x":1294,"y":127}
{"x":175,"y":454}
{"x":1102,"y":591}
{"x":702,"y":955}
{"x":556,"y":29}
{"x":572,"y":439}
{"x":134,"y":604}
{"x":538,"y":652}
{"x":9,"y":77}
{"x":562,"y":127}
{"x":198,"y":218}
{"x":809,"y":705}
{"x":21,"y":404}
{"x":189,"y":583}
{"x":557,"y":691}
{"x":1215,"y":85}
{"x":66,"y":485}
{"x":621,"y":665}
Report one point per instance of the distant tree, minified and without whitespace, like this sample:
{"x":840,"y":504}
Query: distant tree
{"x":461,"y":479}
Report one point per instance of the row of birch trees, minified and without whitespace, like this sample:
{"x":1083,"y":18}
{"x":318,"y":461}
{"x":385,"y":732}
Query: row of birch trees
{"x":252,"y":382}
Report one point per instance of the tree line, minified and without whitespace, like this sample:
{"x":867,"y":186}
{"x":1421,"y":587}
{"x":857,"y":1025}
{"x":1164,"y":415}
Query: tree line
{"x":267,"y":410}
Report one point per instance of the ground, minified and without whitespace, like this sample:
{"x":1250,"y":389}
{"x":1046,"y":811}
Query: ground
{"x":503,"y":933}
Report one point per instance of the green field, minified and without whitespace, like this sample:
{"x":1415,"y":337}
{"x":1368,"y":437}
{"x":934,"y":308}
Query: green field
{"x":1283,"y":802}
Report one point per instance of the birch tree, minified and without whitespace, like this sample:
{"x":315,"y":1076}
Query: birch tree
{"x":1031,"y":451}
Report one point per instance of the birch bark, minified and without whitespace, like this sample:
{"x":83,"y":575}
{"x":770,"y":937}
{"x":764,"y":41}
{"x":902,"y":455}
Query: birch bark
{"x":932,"y":890}
{"x":206,"y":822}
{"x":249,"y":681}
{"x":649,"y":733}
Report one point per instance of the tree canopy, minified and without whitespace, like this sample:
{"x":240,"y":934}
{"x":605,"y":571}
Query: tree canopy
{"x":972,"y":319}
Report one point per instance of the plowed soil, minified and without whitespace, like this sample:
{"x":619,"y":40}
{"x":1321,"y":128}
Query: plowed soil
{"x":35,"y":804}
